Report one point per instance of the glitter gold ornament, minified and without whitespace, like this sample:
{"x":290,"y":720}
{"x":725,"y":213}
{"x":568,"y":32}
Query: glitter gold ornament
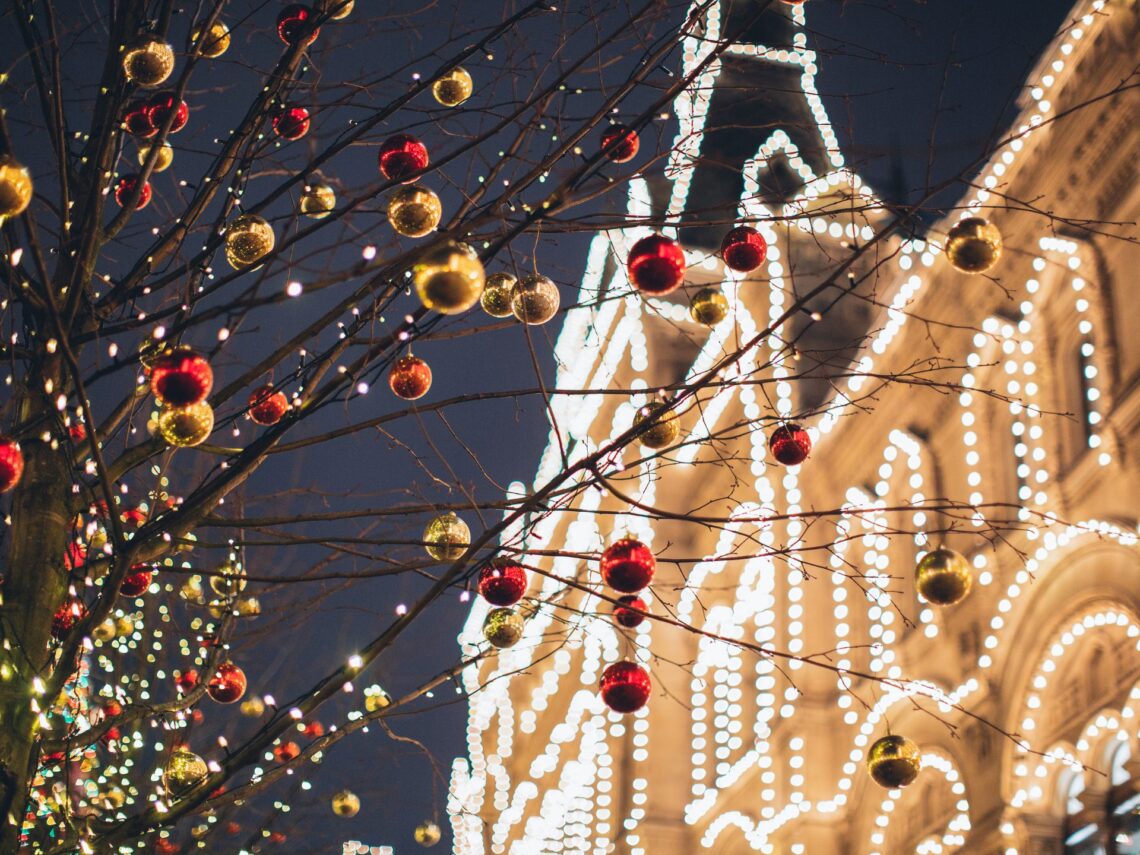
{"x":216,"y":41}
{"x":317,"y":200}
{"x":183,"y":427}
{"x":112,"y":799}
{"x":148,"y":62}
{"x":973,"y":245}
{"x":446,"y":537}
{"x":535,"y":299}
{"x":427,"y":834}
{"x":453,"y":88}
{"x":249,"y":238}
{"x":124,"y":627}
{"x":894,"y":761}
{"x":15,"y":187}
{"x":104,"y":631}
{"x":414,"y":211}
{"x":229,"y":581}
{"x":192,"y":590}
{"x":184,"y":770}
{"x":943,"y":577}
{"x":252,"y":707}
{"x":449,"y":278}
{"x":708,"y":307}
{"x":162,"y":160}
{"x":496,"y":298}
{"x":346,"y":803}
{"x":247,"y":607}
{"x":664,"y":430}
{"x":375,"y":698}
{"x":337,"y":10}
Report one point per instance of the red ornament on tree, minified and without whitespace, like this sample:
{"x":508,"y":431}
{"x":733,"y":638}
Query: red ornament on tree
{"x":502,"y":582}
{"x":790,"y":444}
{"x":162,"y":105}
{"x":291,"y":123}
{"x":656,"y":265}
{"x":628,"y":565}
{"x":133,"y":518}
{"x":401,"y":157}
{"x":74,"y":555}
{"x":11,"y":463}
{"x":296,"y":22}
{"x":410,"y":377}
{"x":228,"y":684}
{"x":286,"y":751}
{"x":137,"y":581}
{"x":267,"y":406}
{"x":181,"y":377}
{"x":314,"y":730}
{"x":166,"y":846}
{"x":137,"y":120}
{"x":126,"y":187}
{"x":620,"y":144}
{"x":744,"y":249}
{"x":625,"y":687}
{"x":77,"y":431}
{"x":67,"y":616}
{"x":628,"y":613}
{"x":186,"y":680}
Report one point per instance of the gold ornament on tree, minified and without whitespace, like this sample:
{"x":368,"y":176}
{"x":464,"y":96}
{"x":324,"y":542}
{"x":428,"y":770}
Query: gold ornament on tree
{"x":535,"y":299}
{"x":414,"y":211}
{"x":973,"y":245}
{"x":317,"y":200}
{"x":894,"y":761}
{"x":708,"y":307}
{"x":247,"y":607}
{"x":229,"y":581}
{"x":104,"y":631}
{"x":346,"y":803}
{"x":503,"y":627}
{"x":337,"y":10}
{"x":183,"y":427}
{"x":162,"y":161}
{"x":252,"y":707}
{"x":216,"y":41}
{"x":943,"y":577}
{"x":184,"y":770}
{"x":148,"y":62}
{"x":453,"y":88}
{"x":662,"y":432}
{"x":427,"y":833}
{"x":15,"y":187}
{"x":496,"y":299}
{"x":449,"y":278}
{"x":249,"y":238}
{"x":446,"y":537}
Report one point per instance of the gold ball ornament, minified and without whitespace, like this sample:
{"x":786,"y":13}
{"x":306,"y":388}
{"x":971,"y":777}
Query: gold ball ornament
{"x":708,"y":307}
{"x":162,"y":161}
{"x":317,"y":200}
{"x":337,"y":10}
{"x":664,"y":430}
{"x":191,"y":590}
{"x":503,"y":627}
{"x":124,"y":627}
{"x":973,"y":245}
{"x":535,"y":299}
{"x":943,"y":577}
{"x":219,"y":607}
{"x":112,"y":799}
{"x":453,"y":88}
{"x":248,"y":607}
{"x":894,"y":762}
{"x":346,"y":803}
{"x":446,"y":537}
{"x":375,"y":699}
{"x":252,"y":707}
{"x":15,"y":187}
{"x":183,"y":427}
{"x":184,"y":770}
{"x":148,"y":62}
{"x":216,"y":41}
{"x":104,"y":631}
{"x":496,"y":299}
{"x":414,"y":211}
{"x":427,"y":834}
{"x":449,"y":278}
{"x":229,"y":581}
{"x":249,"y":238}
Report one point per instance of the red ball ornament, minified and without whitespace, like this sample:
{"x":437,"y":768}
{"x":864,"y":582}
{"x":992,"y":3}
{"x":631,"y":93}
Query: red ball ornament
{"x":11,"y":463}
{"x":181,"y":377}
{"x":266,"y":406}
{"x":126,"y":187}
{"x":296,"y":22}
{"x":228,"y":684}
{"x":625,"y":687}
{"x":74,"y":555}
{"x":291,"y":123}
{"x":314,"y":730}
{"x":133,"y":518}
{"x":77,"y":431}
{"x":620,"y":144}
{"x":790,"y":444}
{"x":628,"y":614}
{"x":137,"y":120}
{"x":286,"y":751}
{"x":277,"y":837}
{"x":410,"y":377}
{"x":401,"y":157}
{"x":186,"y":680}
{"x":656,"y":265}
{"x":744,"y":249}
{"x":160,"y":108}
{"x":628,"y":565}
{"x":67,"y":616}
{"x":502,"y":582}
{"x":137,"y":581}
{"x":166,"y":846}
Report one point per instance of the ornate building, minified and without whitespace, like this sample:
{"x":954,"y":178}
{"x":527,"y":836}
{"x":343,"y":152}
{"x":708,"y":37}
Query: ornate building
{"x":1009,"y":434}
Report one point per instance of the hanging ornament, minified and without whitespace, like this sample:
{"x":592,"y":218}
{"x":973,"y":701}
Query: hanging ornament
{"x":166,"y":846}
{"x":375,"y":698}
{"x":104,"y":631}
{"x":496,"y":298}
{"x":503,"y":628}
{"x":183,"y":427}
{"x":15,"y":187}
{"x":252,"y":707}
{"x":137,"y":581}
{"x":148,"y":62}
{"x":620,"y":144}
{"x":216,"y":41}
{"x":227,"y":685}
{"x":401,"y":157}
{"x":136,"y":120}
{"x":625,"y":687}
{"x":414,"y":211}
{"x":410,"y":378}
{"x":894,"y":762}
{"x":317,"y":200}
{"x":446,"y":537}
{"x":535,"y":299}
{"x":249,"y":238}
{"x":453,"y":88}
{"x":229,"y":581}
{"x":295,"y":22}
{"x":656,"y":265}
{"x":11,"y":463}
{"x":183,"y":771}
{"x":126,"y":187}
{"x":664,"y":430}
{"x":186,"y":681}
{"x":67,"y":616}
{"x":449,"y":278}
{"x":346,"y":803}
{"x":267,"y":406}
{"x":337,"y":10}
{"x":247,"y":607}
{"x":708,"y":307}
{"x":744,"y":249}
{"x":629,"y":612}
{"x":943,"y":577}
{"x":191,"y":590}
{"x":502,"y":582}
{"x":286,"y":751}
{"x":973,"y":245}
{"x":160,"y":108}
{"x":627,"y":565}
{"x":291,"y":123}
{"x":790,"y":444}
{"x":162,"y":160}
{"x":427,"y":833}
{"x":181,"y":377}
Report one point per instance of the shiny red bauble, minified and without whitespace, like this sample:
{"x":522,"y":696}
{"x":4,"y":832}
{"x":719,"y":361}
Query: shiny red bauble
{"x":790,"y":444}
{"x":296,"y":22}
{"x":267,"y":406}
{"x":502,"y":582}
{"x":162,"y":105}
{"x":11,"y":463}
{"x":77,"y":431}
{"x":628,"y":565}
{"x":410,"y":377}
{"x":629,"y":612}
{"x":228,"y":684}
{"x":137,"y":581}
{"x":620,"y":143}
{"x":401,"y":157}
{"x":126,"y":187}
{"x":286,"y":751}
{"x":314,"y":730}
{"x":744,"y":249}
{"x":656,"y":265}
{"x":166,"y":846}
{"x":186,"y":680}
{"x":133,"y":518}
{"x":291,"y":123}
{"x":67,"y":616}
{"x":181,"y":377}
{"x":625,"y":687}
{"x":137,"y":120}
{"x":75,"y":555}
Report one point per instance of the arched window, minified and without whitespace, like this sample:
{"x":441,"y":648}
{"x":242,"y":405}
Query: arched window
{"x":1124,"y":814}
{"x":1083,"y":829}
